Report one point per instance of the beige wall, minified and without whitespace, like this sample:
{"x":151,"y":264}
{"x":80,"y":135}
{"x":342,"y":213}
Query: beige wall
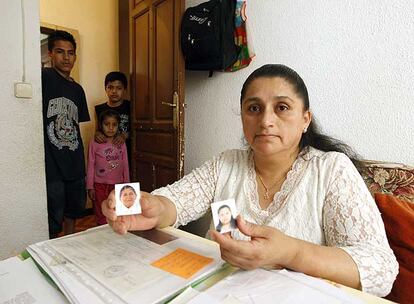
{"x":97,"y":24}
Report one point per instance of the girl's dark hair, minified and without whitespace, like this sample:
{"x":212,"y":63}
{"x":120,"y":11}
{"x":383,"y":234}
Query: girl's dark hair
{"x":232,"y":221}
{"x":105,"y":114}
{"x":59,"y":35}
{"x":115,"y":75}
{"x":126,"y":187}
{"x":313,"y":137}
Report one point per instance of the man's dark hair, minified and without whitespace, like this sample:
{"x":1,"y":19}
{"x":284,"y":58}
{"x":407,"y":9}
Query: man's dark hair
{"x":313,"y":137}
{"x":113,"y":76}
{"x":59,"y":35}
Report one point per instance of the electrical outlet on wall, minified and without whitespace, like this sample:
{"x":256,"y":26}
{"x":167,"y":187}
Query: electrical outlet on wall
{"x":23,"y":90}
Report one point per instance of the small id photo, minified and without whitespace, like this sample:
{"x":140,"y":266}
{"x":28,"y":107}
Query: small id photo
{"x":224,"y":215}
{"x":127,"y":199}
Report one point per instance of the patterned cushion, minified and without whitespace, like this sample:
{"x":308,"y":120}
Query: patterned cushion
{"x":389,"y":178}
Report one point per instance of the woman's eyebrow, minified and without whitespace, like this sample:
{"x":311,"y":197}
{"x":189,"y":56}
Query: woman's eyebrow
{"x":252,"y":99}
{"x":283,"y":97}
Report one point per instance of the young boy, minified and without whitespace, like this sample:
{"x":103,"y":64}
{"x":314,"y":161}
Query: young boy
{"x":116,"y":84}
{"x":64,"y":107}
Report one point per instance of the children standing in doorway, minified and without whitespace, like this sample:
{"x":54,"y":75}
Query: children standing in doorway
{"x":107,"y":162}
{"x":116,"y":84}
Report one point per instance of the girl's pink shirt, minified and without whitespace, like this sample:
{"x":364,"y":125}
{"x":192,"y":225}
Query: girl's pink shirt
{"x":107,"y":164}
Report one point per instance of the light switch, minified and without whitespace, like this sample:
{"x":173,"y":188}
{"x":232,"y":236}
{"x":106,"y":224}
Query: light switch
{"x":23,"y":90}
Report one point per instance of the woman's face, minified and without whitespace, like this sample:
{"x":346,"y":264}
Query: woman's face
{"x":128,"y":197}
{"x":224,"y":216}
{"x":273,"y":116}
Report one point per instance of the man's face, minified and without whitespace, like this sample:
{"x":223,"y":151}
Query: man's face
{"x":63,"y":56}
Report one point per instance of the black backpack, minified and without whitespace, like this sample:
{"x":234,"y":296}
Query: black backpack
{"x":207,"y":36}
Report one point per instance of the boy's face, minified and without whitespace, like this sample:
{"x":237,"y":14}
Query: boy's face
{"x":115,"y":91}
{"x":63,"y":56}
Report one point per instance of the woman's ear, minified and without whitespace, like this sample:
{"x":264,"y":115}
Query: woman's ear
{"x":307,"y":116}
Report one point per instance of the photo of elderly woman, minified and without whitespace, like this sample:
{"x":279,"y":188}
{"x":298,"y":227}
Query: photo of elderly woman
{"x":127,"y":197}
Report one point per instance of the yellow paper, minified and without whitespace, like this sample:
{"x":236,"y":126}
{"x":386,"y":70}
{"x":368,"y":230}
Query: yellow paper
{"x":182,"y":263}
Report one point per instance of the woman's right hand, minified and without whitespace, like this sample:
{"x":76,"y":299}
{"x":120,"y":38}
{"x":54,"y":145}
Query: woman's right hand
{"x":156,"y":212}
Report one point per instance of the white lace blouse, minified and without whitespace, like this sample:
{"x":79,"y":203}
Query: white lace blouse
{"x":323,"y":200}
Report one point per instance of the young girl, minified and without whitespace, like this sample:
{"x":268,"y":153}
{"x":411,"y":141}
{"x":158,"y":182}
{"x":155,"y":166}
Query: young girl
{"x":107,"y":163}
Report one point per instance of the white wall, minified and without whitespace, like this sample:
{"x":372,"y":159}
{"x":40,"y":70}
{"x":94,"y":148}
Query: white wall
{"x":23,"y":219}
{"x":356,"y":57}
{"x":23,"y":215}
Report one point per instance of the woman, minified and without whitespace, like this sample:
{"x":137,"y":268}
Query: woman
{"x":303,"y":204}
{"x":127,"y":195}
{"x":226,"y":220}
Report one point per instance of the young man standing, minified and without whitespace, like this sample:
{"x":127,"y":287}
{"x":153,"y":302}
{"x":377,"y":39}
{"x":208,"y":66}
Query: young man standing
{"x":64,"y":107}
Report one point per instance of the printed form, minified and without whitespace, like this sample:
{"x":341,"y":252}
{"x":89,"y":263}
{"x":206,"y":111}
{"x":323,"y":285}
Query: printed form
{"x":150,"y":267}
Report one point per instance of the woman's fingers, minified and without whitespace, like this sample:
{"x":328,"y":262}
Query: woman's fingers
{"x":108,"y":207}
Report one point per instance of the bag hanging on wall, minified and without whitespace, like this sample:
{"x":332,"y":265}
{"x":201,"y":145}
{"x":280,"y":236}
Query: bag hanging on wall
{"x":246,"y":53}
{"x":207,"y":36}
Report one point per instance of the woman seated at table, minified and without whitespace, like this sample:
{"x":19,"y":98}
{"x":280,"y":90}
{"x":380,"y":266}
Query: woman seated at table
{"x":302,"y":203}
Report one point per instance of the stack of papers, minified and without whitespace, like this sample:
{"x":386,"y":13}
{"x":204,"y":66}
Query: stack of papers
{"x":21,"y":282}
{"x":100,"y":266}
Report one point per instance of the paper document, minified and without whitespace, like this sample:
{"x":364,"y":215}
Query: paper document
{"x":22,"y":282}
{"x":118,"y":269}
{"x":263,"y":286}
{"x":182,"y":263}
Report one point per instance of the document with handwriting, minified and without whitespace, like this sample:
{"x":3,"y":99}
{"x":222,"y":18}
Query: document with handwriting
{"x":122,"y":265}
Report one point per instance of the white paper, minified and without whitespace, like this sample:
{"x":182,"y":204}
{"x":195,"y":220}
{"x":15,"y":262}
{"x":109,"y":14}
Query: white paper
{"x":262,"y":286}
{"x":118,"y":266}
{"x":22,"y":282}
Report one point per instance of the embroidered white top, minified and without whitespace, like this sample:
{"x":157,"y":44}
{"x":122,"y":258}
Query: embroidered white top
{"x":323,"y":200}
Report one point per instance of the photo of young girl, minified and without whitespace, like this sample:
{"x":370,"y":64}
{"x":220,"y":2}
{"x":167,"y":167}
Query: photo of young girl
{"x":127,"y":199}
{"x":224,"y":214}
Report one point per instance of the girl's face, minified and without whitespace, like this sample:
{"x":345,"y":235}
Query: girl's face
{"x":128,"y":197}
{"x":110,"y":126}
{"x":225,"y":215}
{"x":273,"y":116}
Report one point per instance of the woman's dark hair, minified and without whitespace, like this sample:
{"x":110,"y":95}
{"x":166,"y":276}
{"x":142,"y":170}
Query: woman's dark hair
{"x":232,"y":221}
{"x":313,"y":137}
{"x":105,"y":114}
{"x":126,"y":187}
{"x":59,"y":35}
{"x":113,"y":76}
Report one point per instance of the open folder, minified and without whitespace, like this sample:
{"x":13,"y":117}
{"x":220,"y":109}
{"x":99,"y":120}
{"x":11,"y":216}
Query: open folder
{"x":100,"y":266}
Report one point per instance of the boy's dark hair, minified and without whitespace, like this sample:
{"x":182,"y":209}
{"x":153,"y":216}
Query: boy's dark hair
{"x":105,"y":114}
{"x":115,"y":75}
{"x":59,"y":35}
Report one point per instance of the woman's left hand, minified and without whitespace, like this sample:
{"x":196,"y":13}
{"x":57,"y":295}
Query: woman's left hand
{"x":268,"y":247}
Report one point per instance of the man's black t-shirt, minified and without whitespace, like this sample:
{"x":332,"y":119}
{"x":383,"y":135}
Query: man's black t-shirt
{"x":124,"y":110}
{"x":64,"y":107}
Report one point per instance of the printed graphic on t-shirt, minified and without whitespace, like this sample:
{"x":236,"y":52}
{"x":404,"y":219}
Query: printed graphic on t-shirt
{"x":113,"y":158}
{"x":62,"y":130}
{"x":123,"y":126}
